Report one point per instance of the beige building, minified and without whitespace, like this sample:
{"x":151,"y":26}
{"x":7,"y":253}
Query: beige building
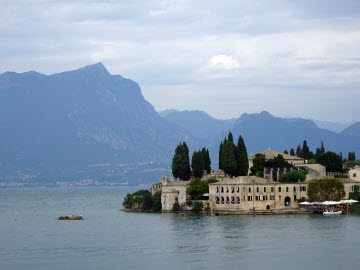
{"x":246,"y":193}
{"x":355,"y":173}
{"x":172,"y":191}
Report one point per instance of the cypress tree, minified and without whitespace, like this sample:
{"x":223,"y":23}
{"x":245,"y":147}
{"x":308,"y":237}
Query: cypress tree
{"x":230,"y":137}
{"x":305,"y":150}
{"x":292,"y":152}
{"x":243,"y":162}
{"x":228,"y":158}
{"x":181,"y":165}
{"x":286,"y":152}
{"x":207,"y":161}
{"x":220,"y":155}
{"x":299,"y":151}
{"x":176,"y":162}
{"x":197,"y":164}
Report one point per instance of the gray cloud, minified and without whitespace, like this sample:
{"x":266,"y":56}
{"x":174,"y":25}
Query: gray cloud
{"x":296,"y":58}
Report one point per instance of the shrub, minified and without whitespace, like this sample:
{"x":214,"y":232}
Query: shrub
{"x":197,"y":188}
{"x":176,"y":207}
{"x":293,"y":176}
{"x":341,"y":176}
{"x":212,"y":180}
{"x":189,"y":203}
{"x":156,"y":205}
{"x":197,"y":207}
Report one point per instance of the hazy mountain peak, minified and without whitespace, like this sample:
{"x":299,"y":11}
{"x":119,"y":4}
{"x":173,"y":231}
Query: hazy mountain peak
{"x":97,"y":68}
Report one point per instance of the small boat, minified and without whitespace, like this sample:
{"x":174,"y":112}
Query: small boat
{"x":72,"y":217}
{"x":332,"y":213}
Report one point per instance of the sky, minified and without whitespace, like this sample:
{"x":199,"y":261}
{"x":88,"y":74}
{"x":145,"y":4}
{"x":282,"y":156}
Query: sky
{"x":291,"y":58}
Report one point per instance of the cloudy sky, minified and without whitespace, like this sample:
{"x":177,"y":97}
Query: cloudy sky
{"x":291,"y":58}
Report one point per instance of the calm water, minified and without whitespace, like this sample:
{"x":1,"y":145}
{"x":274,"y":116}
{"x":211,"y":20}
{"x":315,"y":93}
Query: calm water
{"x":32,"y":238}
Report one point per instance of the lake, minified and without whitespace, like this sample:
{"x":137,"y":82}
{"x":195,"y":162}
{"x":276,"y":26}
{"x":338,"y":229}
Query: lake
{"x":32,"y":238}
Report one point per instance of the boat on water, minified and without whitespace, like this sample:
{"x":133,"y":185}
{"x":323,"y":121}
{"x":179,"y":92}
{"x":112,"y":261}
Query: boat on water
{"x":332,"y":213}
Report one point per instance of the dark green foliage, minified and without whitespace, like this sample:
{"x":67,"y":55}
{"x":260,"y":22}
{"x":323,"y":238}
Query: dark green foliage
{"x":228,"y":158}
{"x":242,"y":158}
{"x":306,"y":153}
{"x":139,"y":200}
{"x":341,"y":176}
{"x":258,"y":165}
{"x":332,"y":161}
{"x":277,"y":162}
{"x":328,"y":189}
{"x":180,"y":164}
{"x":207,"y":161}
{"x":351,"y":156}
{"x":189,"y":203}
{"x":197,"y":188}
{"x":197,"y":207}
{"x":176,"y":207}
{"x":320,"y":150}
{"x":355,"y":195}
{"x":293,"y":176}
{"x":197,"y":164}
{"x":156,"y":201}
{"x":351,"y":163}
{"x":212,"y":180}
{"x":299,"y":151}
{"x":230,"y":137}
{"x":220,"y":156}
{"x":292,"y":152}
{"x":286,"y":152}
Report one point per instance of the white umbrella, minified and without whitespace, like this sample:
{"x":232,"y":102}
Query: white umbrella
{"x":305,"y":203}
{"x":349,"y":201}
{"x":330,"y":203}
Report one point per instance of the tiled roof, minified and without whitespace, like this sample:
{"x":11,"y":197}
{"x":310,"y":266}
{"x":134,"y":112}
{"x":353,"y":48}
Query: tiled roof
{"x":272,"y":154}
{"x":245,"y":180}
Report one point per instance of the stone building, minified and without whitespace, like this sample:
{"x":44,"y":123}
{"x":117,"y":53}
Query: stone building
{"x":355,"y":173}
{"x":172,"y":191}
{"x":246,"y":193}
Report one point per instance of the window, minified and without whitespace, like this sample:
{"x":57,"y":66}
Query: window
{"x":227,"y":190}
{"x":232,"y":189}
{"x":249,"y":189}
{"x":237,"y":189}
{"x":294,"y":197}
{"x":272,"y":197}
{"x":217,"y":201}
{"x":257,"y":189}
{"x":272,"y":189}
{"x":232,"y":200}
{"x":257,"y":198}
{"x":287,"y":189}
{"x":279,"y":189}
{"x":303,"y":188}
{"x":222,"y":189}
{"x":227,"y":200}
{"x":264,"y":197}
{"x":217,"y":189}
{"x":354,"y":174}
{"x":279,"y":197}
{"x":222,"y":200}
{"x":264,"y":189}
{"x":294,"y":188}
{"x":249,"y":198}
{"x":238,"y":200}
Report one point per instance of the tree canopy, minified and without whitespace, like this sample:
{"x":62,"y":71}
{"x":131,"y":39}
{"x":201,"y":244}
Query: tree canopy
{"x":197,"y":188}
{"x":293,"y":176}
{"x":258,"y":165}
{"x":327,"y":189}
{"x":332,"y":161}
{"x":180,"y":164}
{"x":197,"y":164}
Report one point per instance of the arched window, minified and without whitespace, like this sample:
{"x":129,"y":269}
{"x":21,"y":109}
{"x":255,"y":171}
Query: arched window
{"x":232,"y":200}
{"x":232,"y":189}
{"x":227,"y":200}
{"x":227,"y":190}
{"x":217,"y":189}
{"x":222,"y":200}
{"x":217,"y":200}
{"x":238,"y":200}
{"x":222,"y":189}
{"x":237,"y":189}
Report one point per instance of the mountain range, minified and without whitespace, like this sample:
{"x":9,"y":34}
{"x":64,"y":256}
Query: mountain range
{"x":90,"y":127}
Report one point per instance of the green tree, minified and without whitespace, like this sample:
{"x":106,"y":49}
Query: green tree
{"x":180,"y":164}
{"x":306,"y":154}
{"x":328,"y":189}
{"x":293,"y":176}
{"x":156,"y":201}
{"x":258,"y":165}
{"x":139,"y":200}
{"x":197,"y":188}
{"x":207,"y":160}
{"x":228,"y":158}
{"x":286,"y":152}
{"x":351,"y":156}
{"x":230,"y":137}
{"x":277,"y":162}
{"x":220,"y":155}
{"x":241,"y":158}
{"x":299,"y":151}
{"x":197,"y":164}
{"x":292,"y":152}
{"x":176,"y":207}
{"x":331,"y":161}
{"x":197,"y":207}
